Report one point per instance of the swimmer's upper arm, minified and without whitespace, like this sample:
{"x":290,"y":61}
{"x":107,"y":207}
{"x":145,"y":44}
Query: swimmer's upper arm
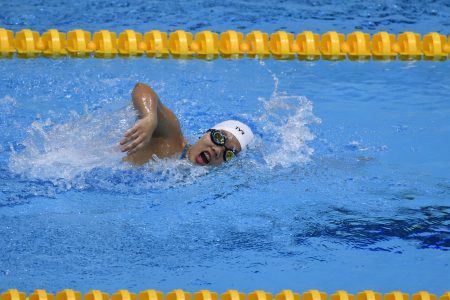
{"x":148,"y":104}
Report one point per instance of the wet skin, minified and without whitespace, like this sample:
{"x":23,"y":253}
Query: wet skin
{"x":157,"y":132}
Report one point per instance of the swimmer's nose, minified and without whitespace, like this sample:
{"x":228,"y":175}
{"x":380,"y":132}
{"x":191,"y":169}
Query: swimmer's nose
{"x":217,"y":151}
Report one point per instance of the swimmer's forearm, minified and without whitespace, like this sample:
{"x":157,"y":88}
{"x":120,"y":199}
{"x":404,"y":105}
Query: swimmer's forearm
{"x":153,"y":112}
{"x":145,"y":101}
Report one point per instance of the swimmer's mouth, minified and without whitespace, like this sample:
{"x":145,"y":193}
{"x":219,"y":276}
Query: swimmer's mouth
{"x":203,"y":158}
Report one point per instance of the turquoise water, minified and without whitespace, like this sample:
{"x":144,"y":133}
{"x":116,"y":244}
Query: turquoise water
{"x":346,"y":187}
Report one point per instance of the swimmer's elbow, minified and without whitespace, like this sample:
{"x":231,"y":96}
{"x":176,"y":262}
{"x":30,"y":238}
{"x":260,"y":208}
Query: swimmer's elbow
{"x":145,"y":100}
{"x":141,"y":88}
{"x":140,"y":85}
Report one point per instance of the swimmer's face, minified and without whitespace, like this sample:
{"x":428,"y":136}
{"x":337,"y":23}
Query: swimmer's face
{"x":206,"y":153}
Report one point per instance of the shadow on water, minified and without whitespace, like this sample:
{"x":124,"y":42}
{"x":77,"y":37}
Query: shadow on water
{"x":427,"y":227}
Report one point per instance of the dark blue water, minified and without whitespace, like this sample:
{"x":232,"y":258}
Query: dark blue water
{"x":347,"y":186}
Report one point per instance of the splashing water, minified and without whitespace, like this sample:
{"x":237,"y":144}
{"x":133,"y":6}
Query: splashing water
{"x":83,"y":153}
{"x":285,"y":120}
{"x":63,"y":151}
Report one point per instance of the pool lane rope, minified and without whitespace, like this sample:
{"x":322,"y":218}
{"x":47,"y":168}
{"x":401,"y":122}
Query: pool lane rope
{"x":229,"y":44}
{"x":68,"y":294}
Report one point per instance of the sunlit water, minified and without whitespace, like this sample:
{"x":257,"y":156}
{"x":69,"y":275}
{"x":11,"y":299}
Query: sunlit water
{"x":346,"y":186}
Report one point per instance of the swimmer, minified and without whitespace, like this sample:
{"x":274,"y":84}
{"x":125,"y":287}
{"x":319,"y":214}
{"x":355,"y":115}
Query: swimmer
{"x":157,"y":132}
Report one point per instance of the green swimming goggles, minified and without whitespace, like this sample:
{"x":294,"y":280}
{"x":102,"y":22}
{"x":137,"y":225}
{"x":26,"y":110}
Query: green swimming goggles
{"x":218,"y":138}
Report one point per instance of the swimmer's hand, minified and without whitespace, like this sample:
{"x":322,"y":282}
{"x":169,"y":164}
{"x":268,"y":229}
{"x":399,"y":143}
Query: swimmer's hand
{"x":139,"y":135}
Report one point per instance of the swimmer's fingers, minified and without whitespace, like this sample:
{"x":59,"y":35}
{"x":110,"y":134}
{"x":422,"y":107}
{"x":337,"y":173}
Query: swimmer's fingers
{"x":131,"y":147}
{"x":131,"y":134}
{"x":128,"y":138}
{"x":137,"y":148}
{"x":138,"y":136}
{"x":131,"y":131}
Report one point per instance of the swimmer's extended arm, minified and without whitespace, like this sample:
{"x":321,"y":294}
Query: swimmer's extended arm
{"x":155,"y":120}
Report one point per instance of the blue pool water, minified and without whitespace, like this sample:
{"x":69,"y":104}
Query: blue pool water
{"x":346,"y":187}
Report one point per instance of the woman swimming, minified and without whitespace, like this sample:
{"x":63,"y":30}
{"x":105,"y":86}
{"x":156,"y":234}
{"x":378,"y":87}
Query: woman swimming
{"x":157,"y":132}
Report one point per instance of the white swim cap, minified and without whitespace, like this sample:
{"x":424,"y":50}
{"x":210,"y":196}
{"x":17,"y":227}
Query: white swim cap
{"x":242,"y":132}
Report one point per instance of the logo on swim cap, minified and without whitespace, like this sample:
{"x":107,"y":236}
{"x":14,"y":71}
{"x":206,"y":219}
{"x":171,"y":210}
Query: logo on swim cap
{"x":242,"y":132}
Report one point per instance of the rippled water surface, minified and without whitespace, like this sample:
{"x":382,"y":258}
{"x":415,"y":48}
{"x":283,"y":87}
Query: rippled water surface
{"x":347,"y":185}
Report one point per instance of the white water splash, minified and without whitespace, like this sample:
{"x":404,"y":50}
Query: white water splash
{"x":285,"y":120}
{"x":63,"y":151}
{"x":84,"y":153}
